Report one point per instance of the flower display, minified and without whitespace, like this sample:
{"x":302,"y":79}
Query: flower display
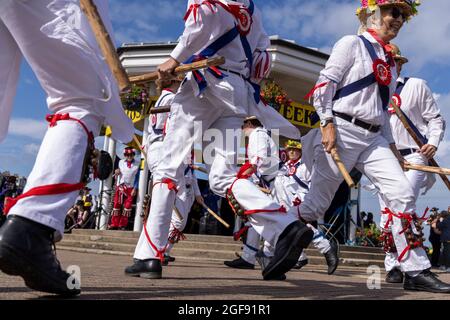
{"x":275,"y":96}
{"x":135,"y":99}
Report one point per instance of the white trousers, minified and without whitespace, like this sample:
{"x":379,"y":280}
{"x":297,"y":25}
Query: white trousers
{"x":222,"y":107}
{"x":184,"y":204}
{"x":418,"y":180}
{"x":369,"y":153}
{"x":71,"y":85}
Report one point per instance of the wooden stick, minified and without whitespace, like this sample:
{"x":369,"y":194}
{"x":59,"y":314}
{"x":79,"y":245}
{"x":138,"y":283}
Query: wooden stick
{"x":178,"y":213}
{"x":159,"y":110}
{"x":106,"y":45}
{"x":265,"y":190}
{"x":215,"y":215}
{"x":135,"y":139}
{"x":419,"y":142}
{"x":430,"y":169}
{"x":342,"y":168}
{"x":200,"y":169}
{"x":202,"y":64}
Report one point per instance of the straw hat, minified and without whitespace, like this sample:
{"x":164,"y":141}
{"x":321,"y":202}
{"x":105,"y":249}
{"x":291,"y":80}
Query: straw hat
{"x":369,"y":6}
{"x":396,"y":53}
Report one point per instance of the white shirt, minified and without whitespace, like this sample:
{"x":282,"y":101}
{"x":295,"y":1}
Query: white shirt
{"x":263,"y":153}
{"x":158,"y":122}
{"x":209,"y":25}
{"x":127,"y":175}
{"x":293,"y":188}
{"x":349,"y":62}
{"x":418,"y":103}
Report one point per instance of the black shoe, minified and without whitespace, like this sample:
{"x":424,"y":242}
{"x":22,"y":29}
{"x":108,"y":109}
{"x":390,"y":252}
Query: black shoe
{"x":300,"y":264}
{"x":148,"y":269}
{"x":168,"y":259}
{"x":239,"y":263}
{"x":394,"y":276}
{"x":27,"y":250}
{"x":332,"y":257}
{"x":264,"y":261}
{"x":425,"y":281}
{"x":288,"y":249}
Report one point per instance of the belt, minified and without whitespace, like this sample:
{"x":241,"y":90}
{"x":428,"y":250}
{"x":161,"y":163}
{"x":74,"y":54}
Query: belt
{"x":407,"y":152}
{"x":357,"y":122}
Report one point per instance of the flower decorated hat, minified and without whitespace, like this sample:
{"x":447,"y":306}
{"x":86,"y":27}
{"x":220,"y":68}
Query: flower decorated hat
{"x":370,"y":6}
{"x":292,"y":144}
{"x":396,"y":53}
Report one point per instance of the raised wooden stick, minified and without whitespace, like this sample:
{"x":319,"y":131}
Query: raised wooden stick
{"x":199,"y":169}
{"x":430,"y":169}
{"x":159,"y":110}
{"x":106,"y":45}
{"x":202,"y":64}
{"x":215,"y":215}
{"x":419,"y":142}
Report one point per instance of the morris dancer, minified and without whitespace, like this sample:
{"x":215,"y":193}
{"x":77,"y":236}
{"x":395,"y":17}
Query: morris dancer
{"x":262,"y":152}
{"x":82,"y":95}
{"x":218,"y":99}
{"x":127,"y":184}
{"x":416,"y":100}
{"x":291,"y":191}
{"x":354,"y":118}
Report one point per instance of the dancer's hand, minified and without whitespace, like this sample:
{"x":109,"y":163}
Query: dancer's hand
{"x":329,"y":137}
{"x":428,"y":150}
{"x":166,"y":69}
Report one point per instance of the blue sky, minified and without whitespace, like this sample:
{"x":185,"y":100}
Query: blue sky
{"x":312,"y":23}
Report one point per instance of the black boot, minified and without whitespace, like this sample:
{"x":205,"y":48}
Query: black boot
{"x":148,"y":269}
{"x":332,"y":257}
{"x":425,"y":281}
{"x":300,"y":264}
{"x":264,"y":260}
{"x":239,"y":263}
{"x":27,"y":250}
{"x":288,"y":249}
{"x":394,"y":276}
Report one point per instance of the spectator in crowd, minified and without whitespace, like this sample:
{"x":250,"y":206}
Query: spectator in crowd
{"x":78,"y":214}
{"x":434,"y":238}
{"x":443,"y":225}
{"x":368,"y":222}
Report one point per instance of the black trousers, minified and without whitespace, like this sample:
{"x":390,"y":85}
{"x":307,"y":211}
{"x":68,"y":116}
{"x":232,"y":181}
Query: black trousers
{"x":446,"y":254}
{"x":436,"y":253}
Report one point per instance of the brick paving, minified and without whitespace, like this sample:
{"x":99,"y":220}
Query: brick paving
{"x":102,"y":278}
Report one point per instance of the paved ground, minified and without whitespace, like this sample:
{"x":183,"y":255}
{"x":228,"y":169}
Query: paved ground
{"x":102,"y":278}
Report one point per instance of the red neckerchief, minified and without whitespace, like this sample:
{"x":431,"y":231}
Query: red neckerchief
{"x":386,"y":46}
{"x":129,"y":163}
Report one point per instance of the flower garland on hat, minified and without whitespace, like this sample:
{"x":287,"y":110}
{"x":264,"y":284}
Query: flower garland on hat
{"x":370,"y":6}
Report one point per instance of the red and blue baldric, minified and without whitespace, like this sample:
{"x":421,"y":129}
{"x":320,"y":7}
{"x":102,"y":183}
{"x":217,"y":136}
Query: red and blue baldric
{"x":398,"y":101}
{"x":295,"y":177}
{"x":381,"y":74}
{"x":244,"y":16}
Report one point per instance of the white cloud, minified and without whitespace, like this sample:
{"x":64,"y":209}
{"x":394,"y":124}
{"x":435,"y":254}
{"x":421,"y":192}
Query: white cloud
{"x":426,"y":38}
{"x":34,"y":129}
{"x":142,"y":21}
{"x":31,"y":148}
{"x":310,"y":21}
